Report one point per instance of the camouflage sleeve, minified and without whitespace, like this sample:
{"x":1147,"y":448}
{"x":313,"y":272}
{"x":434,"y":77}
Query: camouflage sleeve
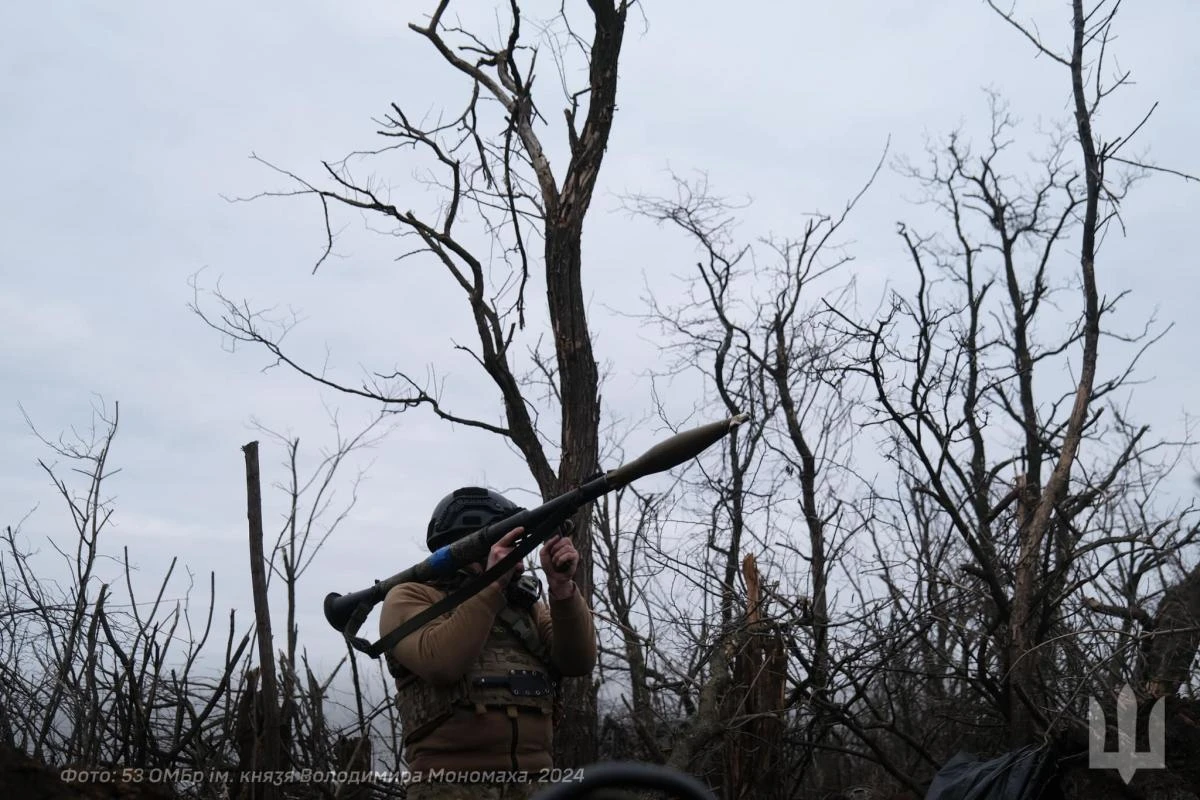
{"x":567,"y":626}
{"x":443,"y":650}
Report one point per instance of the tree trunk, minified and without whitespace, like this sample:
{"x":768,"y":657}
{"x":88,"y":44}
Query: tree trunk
{"x":575,"y":742}
{"x":579,"y":378}
{"x":262,"y":614}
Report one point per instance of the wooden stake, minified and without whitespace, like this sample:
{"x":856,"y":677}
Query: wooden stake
{"x":262,"y":617}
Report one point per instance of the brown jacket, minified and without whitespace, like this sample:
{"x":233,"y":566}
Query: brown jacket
{"x":444,"y":649}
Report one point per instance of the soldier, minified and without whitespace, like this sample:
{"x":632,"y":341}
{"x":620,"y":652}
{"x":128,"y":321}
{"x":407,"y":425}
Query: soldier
{"x":476,"y":688}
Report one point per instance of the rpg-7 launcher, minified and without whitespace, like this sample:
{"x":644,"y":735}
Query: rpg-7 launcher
{"x":347,"y":613}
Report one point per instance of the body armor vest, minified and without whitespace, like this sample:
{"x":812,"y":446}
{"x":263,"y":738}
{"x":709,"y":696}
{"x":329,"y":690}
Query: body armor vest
{"x":513,"y":672}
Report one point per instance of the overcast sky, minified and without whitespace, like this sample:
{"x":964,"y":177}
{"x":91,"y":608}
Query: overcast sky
{"x":125,"y":125}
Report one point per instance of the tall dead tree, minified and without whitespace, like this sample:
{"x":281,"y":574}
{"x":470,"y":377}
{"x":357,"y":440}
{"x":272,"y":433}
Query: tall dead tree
{"x":990,"y":545}
{"x":767,"y":346}
{"x":999,"y":342}
{"x":505,"y":184}
{"x":1044,"y":500}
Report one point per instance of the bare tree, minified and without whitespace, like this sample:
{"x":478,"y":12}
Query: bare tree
{"x":502,"y":184}
{"x":96,"y":676}
{"x":979,"y":323}
{"x":313,"y":511}
{"x":91,"y":681}
{"x":1014,"y":496}
{"x":757,"y":330}
{"x":313,"y":514}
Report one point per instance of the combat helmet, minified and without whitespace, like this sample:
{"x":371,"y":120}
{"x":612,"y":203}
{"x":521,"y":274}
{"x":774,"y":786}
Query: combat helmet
{"x":464,"y":511}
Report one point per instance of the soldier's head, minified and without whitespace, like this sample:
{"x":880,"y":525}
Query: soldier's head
{"x":464,"y":511}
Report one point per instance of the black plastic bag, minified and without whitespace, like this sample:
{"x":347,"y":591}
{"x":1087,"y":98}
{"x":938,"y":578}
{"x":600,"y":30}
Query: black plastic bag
{"x":1025,"y":774}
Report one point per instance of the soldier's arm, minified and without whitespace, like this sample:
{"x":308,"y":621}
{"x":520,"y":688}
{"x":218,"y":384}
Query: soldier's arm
{"x":442,"y":650}
{"x":567,"y":626}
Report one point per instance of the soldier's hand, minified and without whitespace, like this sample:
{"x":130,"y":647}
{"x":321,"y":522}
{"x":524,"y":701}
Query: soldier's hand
{"x":559,"y":560}
{"x":501,"y":549}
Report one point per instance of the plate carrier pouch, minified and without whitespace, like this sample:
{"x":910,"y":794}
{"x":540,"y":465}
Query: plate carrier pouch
{"x":513,"y":672}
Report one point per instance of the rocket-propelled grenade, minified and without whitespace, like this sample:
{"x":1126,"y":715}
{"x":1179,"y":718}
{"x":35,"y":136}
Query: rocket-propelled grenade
{"x":674,"y":451}
{"x":344,"y":612}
